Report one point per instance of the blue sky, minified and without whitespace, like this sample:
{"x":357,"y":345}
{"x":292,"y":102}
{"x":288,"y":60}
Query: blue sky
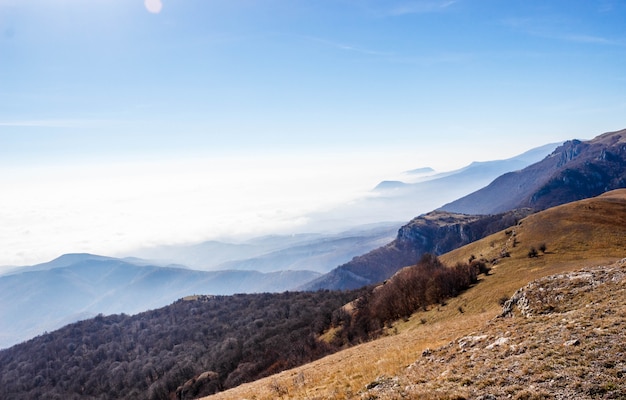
{"x":389,"y":84}
{"x":107,"y":75}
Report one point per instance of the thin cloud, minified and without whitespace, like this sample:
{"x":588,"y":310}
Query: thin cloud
{"x":420,"y":7}
{"x":538,"y":27}
{"x":437,"y":59}
{"x":51,"y":123}
{"x":40,"y":123}
{"x":390,"y":56}
{"x":348,"y":47}
{"x":588,"y":39}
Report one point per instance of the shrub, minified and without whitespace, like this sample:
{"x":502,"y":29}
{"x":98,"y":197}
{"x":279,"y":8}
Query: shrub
{"x":427,"y":283}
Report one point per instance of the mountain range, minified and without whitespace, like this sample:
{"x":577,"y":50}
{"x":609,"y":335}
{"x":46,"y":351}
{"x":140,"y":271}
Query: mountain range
{"x":573,"y":294}
{"x":112,"y":354}
{"x":92,"y":284}
{"x":420,"y":191}
{"x":525,"y":225}
{"x":78,"y":286}
{"x":306,"y":251}
{"x":576,"y":170}
{"x":573,"y":171}
{"x":366,"y":223}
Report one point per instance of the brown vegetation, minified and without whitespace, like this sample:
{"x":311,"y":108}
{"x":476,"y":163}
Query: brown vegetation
{"x":577,"y":235}
{"x":560,"y":337}
{"x":418,"y":287}
{"x":194,"y":347}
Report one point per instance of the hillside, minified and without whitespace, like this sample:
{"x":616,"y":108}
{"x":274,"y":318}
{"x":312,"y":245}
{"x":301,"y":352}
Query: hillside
{"x":574,"y":171}
{"x":436,"y":232}
{"x":558,"y":337}
{"x":80,"y":286}
{"x":579,"y":235}
{"x":203,"y":344}
{"x":196,"y":346}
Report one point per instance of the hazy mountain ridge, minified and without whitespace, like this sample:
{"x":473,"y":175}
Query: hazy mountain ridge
{"x":436,"y":232}
{"x":600,"y":219}
{"x":320,"y":255}
{"x":574,"y":171}
{"x":307,"y":251}
{"x":401,"y":201}
{"x":75,"y":286}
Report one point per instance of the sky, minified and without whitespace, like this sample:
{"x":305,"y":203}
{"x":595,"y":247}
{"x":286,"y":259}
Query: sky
{"x":126,"y":123}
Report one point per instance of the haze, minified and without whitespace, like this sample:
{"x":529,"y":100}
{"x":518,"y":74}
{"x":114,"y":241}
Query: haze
{"x":131,"y":123}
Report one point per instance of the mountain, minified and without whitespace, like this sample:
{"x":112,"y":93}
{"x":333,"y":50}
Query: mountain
{"x":402,"y":200}
{"x":436,"y":232}
{"x":76,"y":286}
{"x":306,"y":251}
{"x":198,"y":344}
{"x":320,"y":254}
{"x":542,"y":345}
{"x":389,"y":201}
{"x":463,"y":349}
{"x":576,"y":170}
{"x":60,"y":262}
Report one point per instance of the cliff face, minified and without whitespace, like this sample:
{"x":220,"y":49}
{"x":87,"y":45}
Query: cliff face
{"x":586,"y":169}
{"x":574,"y":171}
{"x":437,"y":232}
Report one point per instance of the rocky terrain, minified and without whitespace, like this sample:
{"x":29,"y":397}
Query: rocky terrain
{"x":559,"y":337}
{"x":436,"y":232}
{"x":557,"y":340}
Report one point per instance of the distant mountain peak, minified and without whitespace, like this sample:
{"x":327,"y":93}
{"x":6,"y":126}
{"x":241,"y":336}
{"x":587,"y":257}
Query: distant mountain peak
{"x":420,"y":171}
{"x":575,"y":170}
{"x":390,"y":185}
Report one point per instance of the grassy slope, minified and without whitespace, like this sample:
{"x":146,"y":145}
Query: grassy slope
{"x":586,"y":233}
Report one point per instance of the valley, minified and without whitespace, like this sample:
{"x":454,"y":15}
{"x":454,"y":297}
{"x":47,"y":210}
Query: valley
{"x":312,"y":200}
{"x":347,"y":351}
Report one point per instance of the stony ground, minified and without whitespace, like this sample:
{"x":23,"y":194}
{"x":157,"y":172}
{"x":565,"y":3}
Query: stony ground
{"x":560,"y":337}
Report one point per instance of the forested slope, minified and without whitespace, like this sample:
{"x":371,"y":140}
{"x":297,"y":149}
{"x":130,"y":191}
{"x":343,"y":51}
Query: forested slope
{"x":208,"y":342}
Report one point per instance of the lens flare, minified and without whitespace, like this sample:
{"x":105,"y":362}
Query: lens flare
{"x":153,"y":6}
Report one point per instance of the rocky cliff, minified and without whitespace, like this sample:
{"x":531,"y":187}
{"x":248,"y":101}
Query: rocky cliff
{"x":436,"y":232}
{"x":574,"y":171}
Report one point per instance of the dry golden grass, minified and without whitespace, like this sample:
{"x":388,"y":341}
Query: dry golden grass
{"x":564,"y":341}
{"x":586,"y":233}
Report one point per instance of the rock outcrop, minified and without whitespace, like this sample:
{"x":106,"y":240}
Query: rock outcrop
{"x":559,"y":337}
{"x":436,"y":232}
{"x":576,"y":170}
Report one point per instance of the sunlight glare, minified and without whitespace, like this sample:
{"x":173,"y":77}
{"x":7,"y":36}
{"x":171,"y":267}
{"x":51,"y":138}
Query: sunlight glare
{"x":153,"y":6}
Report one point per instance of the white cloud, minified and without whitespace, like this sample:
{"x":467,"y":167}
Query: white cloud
{"x":107,"y":208}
